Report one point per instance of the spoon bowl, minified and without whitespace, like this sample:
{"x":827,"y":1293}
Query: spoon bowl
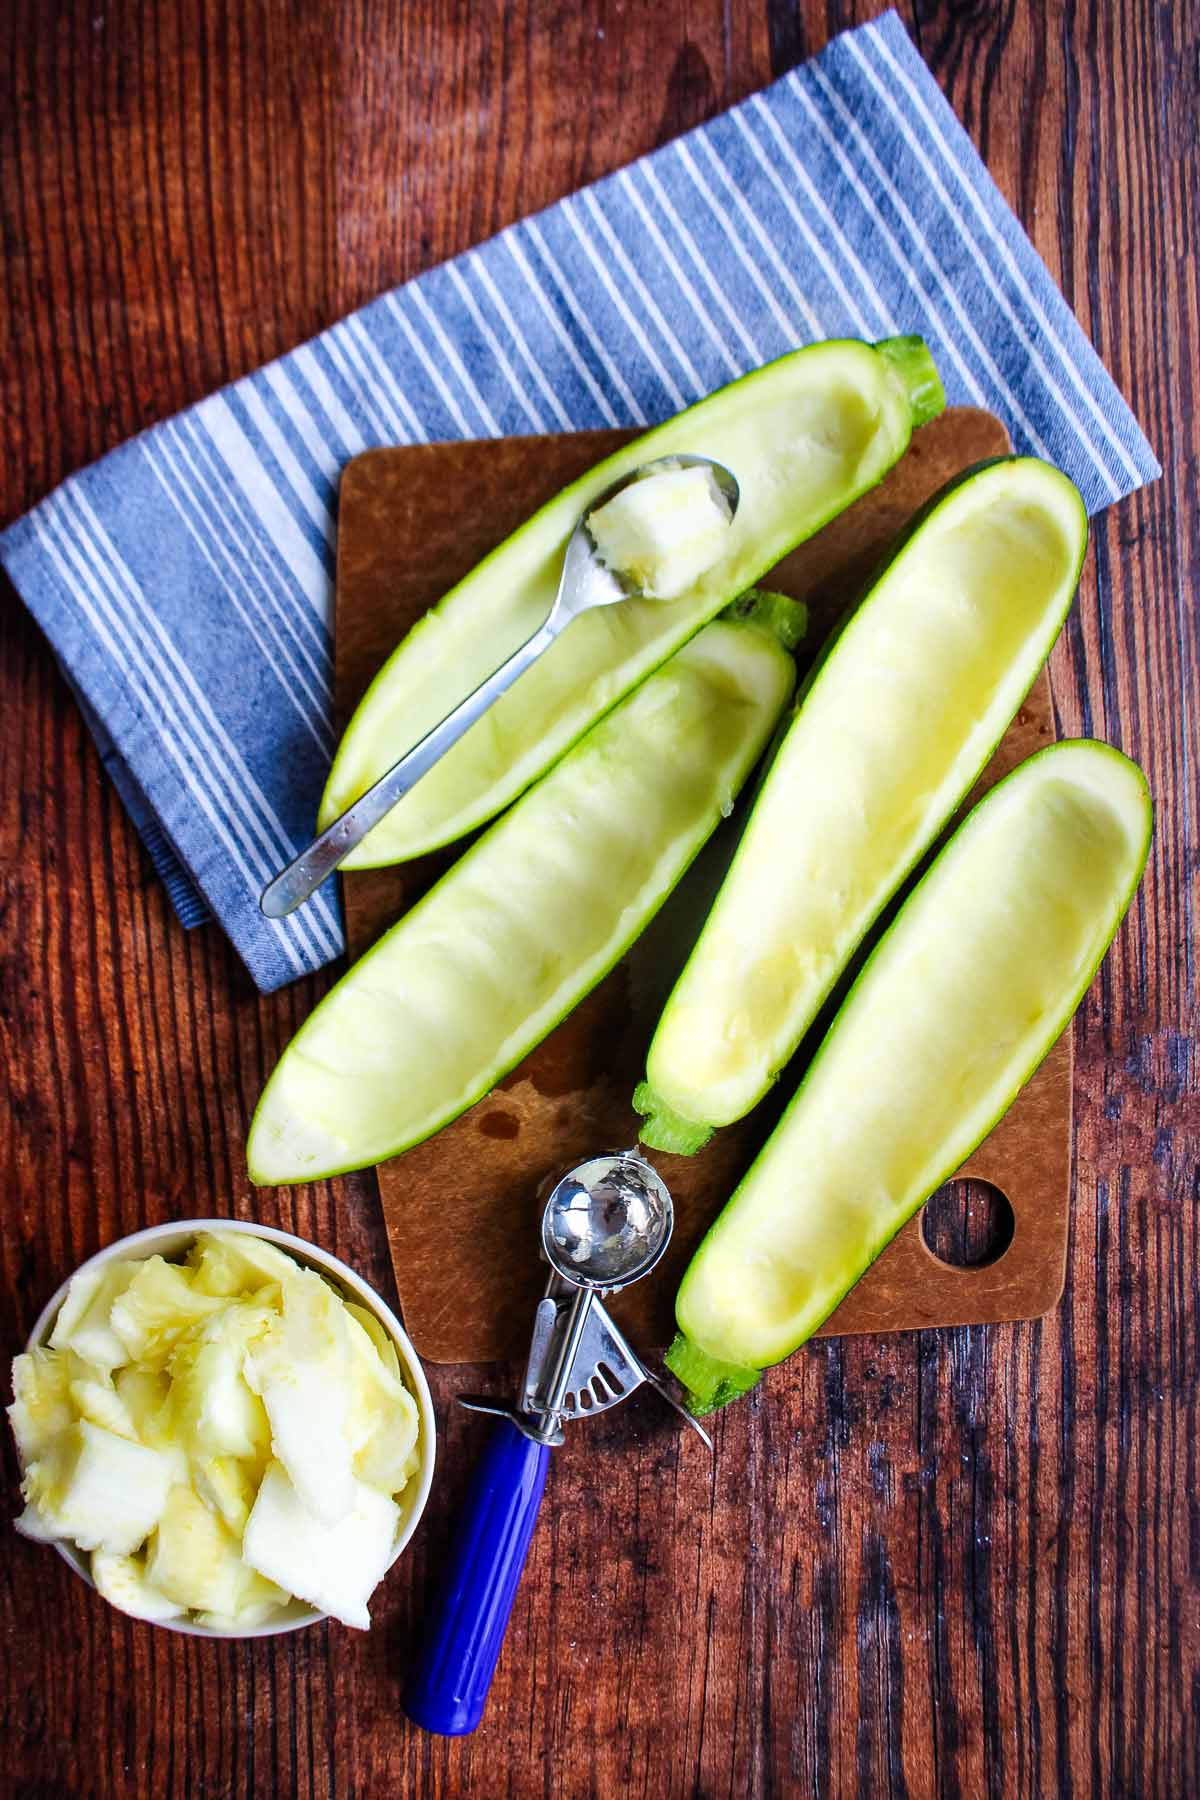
{"x":586,"y":581}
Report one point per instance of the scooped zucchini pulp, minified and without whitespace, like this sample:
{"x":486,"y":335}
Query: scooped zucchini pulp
{"x":956,"y":1007}
{"x":664,"y":531}
{"x":224,"y":1435}
{"x":805,"y":436}
{"x":535,"y":912}
{"x":892,"y":730}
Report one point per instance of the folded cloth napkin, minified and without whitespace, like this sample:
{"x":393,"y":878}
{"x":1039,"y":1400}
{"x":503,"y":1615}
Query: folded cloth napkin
{"x":185,"y":580}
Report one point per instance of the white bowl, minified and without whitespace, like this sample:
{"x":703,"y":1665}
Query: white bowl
{"x":174,"y":1240}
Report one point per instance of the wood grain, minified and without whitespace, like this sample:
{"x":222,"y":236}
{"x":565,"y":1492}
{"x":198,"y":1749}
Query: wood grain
{"x":962,"y":1563}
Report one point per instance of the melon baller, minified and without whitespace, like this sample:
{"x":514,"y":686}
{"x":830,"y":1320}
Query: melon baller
{"x":606,"y":1224}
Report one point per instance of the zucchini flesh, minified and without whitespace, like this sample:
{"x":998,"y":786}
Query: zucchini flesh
{"x":895,"y":726}
{"x":805,"y":436}
{"x":529,"y":919}
{"x":958,"y":1004}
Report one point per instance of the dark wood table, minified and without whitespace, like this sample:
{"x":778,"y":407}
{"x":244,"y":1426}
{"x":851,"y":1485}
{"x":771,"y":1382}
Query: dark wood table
{"x":965,"y":1562}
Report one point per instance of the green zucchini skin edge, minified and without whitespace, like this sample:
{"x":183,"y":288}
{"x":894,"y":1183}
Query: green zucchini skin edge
{"x":677,"y":1128}
{"x":787,"y":620}
{"x":897,"y":546}
{"x":784,"y":618}
{"x":713,"y":1383}
{"x":773,"y":616}
{"x":912,"y":366}
{"x":665,"y":1129}
{"x":910,"y":358}
{"x":708,"y":1382}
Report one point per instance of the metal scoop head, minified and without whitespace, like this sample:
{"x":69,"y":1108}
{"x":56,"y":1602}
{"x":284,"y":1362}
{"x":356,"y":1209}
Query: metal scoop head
{"x":607,"y":1222}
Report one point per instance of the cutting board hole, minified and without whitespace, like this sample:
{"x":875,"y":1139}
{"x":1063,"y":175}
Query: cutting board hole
{"x":967,"y":1224}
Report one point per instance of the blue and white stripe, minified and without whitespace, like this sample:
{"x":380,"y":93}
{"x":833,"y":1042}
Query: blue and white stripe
{"x":185,"y":581}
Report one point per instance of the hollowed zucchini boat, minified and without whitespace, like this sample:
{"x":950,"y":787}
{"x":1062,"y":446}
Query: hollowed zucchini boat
{"x":805,"y":435}
{"x":531,"y":917}
{"x":960,"y":1001}
{"x":888,"y":737}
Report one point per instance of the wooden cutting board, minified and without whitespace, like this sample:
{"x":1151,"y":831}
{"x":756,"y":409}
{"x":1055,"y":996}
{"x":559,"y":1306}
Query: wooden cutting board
{"x":462,"y":1210}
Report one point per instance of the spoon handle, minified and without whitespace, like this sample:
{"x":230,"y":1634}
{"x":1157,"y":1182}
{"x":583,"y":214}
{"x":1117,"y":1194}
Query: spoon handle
{"x":448,"y":1686}
{"x":577,"y":1318}
{"x":305,"y":873}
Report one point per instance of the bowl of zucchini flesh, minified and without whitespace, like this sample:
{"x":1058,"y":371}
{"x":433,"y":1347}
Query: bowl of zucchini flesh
{"x":805,"y":435}
{"x":891,"y":731}
{"x":954,"y":1010}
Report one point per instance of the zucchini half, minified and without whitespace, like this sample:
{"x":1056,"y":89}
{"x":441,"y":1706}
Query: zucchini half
{"x":895,"y":725}
{"x":805,"y":436}
{"x":530,"y":918}
{"x":958,"y":1004}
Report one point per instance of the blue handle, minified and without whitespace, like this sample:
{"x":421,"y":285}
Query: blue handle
{"x":449,"y":1684}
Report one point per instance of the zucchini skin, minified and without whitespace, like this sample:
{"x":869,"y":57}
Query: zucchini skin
{"x":713,"y":1380}
{"x":532,"y":727}
{"x":669,"y":1125}
{"x":469,"y":981}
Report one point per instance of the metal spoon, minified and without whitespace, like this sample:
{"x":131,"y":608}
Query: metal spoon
{"x":585,"y":583}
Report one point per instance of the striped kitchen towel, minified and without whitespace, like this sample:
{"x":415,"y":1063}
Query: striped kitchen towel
{"x":185,"y":580}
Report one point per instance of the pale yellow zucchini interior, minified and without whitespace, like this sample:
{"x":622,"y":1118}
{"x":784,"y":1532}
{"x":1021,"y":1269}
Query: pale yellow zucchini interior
{"x":965,"y":995}
{"x":528,"y":920}
{"x":905,"y":711}
{"x":803,"y":435}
